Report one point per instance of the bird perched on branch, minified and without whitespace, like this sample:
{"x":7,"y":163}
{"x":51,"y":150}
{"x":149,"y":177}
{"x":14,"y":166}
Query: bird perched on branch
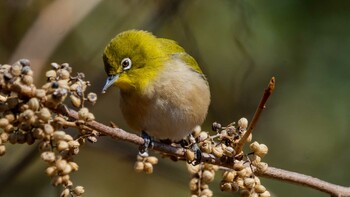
{"x":163,"y":91}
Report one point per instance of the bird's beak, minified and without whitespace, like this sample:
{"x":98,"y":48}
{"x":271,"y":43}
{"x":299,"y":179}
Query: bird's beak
{"x":110,"y":81}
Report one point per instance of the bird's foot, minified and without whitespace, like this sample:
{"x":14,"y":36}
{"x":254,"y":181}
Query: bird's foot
{"x":195,"y":148}
{"x":197,"y":155}
{"x":143,"y":149}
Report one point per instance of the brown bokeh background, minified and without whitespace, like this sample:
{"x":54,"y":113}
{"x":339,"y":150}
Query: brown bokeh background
{"x":239,"y":44}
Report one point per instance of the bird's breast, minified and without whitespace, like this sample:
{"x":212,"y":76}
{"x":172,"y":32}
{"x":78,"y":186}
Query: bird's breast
{"x":171,"y":106}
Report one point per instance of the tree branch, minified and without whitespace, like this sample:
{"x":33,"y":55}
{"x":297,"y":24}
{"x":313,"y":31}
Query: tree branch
{"x":270,"y":172}
{"x":268,"y":91}
{"x":305,"y":180}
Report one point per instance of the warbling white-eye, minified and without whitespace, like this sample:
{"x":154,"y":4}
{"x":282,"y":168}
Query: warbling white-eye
{"x":163,"y":92}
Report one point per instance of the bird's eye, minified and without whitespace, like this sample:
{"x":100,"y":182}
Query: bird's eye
{"x":126,"y":63}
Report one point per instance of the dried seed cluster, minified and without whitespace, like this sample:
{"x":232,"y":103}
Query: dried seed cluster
{"x":145,"y":164}
{"x":201,"y":176}
{"x":223,"y":145}
{"x":27,"y":115}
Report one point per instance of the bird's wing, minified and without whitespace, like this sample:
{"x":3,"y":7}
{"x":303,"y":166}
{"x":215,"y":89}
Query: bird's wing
{"x":171,"y":47}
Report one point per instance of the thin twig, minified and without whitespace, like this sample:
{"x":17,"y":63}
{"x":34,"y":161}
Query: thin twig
{"x":301,"y":179}
{"x":261,"y":107}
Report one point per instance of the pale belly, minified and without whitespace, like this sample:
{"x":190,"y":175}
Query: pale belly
{"x":170,"y":107}
{"x":161,"y":119}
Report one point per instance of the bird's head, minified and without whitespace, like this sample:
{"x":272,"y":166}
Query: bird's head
{"x":132,"y":59}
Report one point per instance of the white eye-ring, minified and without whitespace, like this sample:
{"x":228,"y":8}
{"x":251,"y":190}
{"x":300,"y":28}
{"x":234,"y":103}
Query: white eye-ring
{"x":126,"y":63}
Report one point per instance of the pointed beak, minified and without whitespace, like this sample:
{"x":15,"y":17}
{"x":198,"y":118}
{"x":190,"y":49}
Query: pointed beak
{"x":109,"y":82}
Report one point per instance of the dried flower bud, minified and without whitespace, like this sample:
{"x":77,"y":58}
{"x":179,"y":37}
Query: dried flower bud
{"x":45,"y":146}
{"x":63,"y":74}
{"x":265,"y":194}
{"x":153,"y":160}
{"x":74,"y":165}
{"x":63,"y":84}
{"x":202,"y":136}
{"x":216,"y":126}
{"x":26,"y":115}
{"x":259,"y":188}
{"x":9,"y":116}
{"x":48,"y":156}
{"x":207,"y":192}
{"x":261,"y":167}
{"x":68,"y":169}
{"x":48,"y":129}
{"x":66,"y":179}
{"x":90,"y":117}
{"x":245,"y":193}
{"x":207,"y":176}
{"x":83,"y":113}
{"x":238,"y":165}
{"x":40,"y":93}
{"x":55,"y":66}
{"x":257,"y":180}
{"x":3,"y":98}
{"x":16,"y":69}
{"x":21,"y":138}
{"x":58,"y":135}
{"x":33,"y":104}
{"x":249,"y":182}
{"x":51,"y":74}
{"x":206,"y":146}
{"x":225,"y":186}
{"x":62,"y":145}
{"x":242,"y":173}
{"x":61,"y":164}
{"x":243,"y":123}
{"x":24,"y":62}
{"x":76,"y":101}
{"x":239,"y":181}
{"x":4,"y":137}
{"x":26,"y":70}
{"x":92,"y":139}
{"x":30,"y":138}
{"x":229,"y":151}
{"x":148,"y":168}
{"x":262,"y":150}
{"x":3,"y":122}
{"x":255,"y":159}
{"x":78,"y":190}
{"x":73,"y":144}
{"x":228,"y":176}
{"x":56,"y":180}
{"x":92,"y":97}
{"x":196,"y":131}
{"x":9,"y":128}
{"x":65,"y":193}
{"x":27,"y":79}
{"x":218,"y":151}
{"x":139,"y":166}
{"x":67,"y":138}
{"x":51,"y":171}
{"x":44,"y":114}
{"x":193,"y":184}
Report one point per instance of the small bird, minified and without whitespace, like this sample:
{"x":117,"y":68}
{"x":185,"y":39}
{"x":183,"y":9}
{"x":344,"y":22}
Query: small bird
{"x":163,"y":91}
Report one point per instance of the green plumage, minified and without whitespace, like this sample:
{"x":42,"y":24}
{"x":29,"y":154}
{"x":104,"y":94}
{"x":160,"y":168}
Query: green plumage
{"x":163,"y":90}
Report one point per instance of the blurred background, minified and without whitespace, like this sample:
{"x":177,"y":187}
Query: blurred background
{"x":239,"y":44}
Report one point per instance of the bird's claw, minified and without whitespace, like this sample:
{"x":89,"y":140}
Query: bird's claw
{"x":143,"y":149}
{"x":197,"y":155}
